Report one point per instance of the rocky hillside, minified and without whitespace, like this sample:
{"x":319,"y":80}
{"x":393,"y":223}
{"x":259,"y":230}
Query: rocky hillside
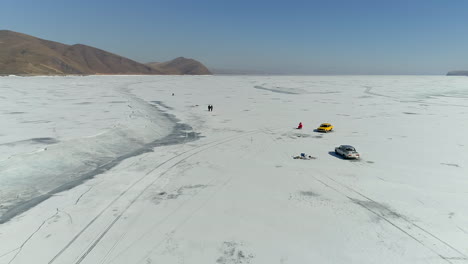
{"x":22,"y":54}
{"x":180,"y":66}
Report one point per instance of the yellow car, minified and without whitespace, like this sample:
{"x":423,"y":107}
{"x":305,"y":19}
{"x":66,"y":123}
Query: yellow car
{"x":325,"y":127}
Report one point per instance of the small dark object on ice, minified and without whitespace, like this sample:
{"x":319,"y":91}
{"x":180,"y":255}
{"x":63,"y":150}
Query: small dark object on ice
{"x":304,"y":157}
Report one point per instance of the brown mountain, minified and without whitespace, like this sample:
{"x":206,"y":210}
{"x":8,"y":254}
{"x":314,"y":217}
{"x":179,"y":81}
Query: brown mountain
{"x":22,"y":54}
{"x":180,"y":66}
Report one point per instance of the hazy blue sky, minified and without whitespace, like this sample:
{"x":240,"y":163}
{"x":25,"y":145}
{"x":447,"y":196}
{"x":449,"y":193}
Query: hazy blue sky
{"x":316,"y":37}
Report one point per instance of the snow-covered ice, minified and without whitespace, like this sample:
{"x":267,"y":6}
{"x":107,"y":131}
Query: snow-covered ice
{"x":61,"y":131}
{"x":235,"y":195}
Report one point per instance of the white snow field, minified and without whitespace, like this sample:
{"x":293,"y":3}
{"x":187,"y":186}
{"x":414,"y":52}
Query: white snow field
{"x":105,"y":169}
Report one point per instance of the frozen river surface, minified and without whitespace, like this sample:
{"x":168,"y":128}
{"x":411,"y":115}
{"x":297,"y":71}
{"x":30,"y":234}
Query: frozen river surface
{"x":116,"y":169}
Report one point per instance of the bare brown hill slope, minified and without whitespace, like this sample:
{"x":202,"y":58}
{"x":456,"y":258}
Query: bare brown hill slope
{"x":21,"y":54}
{"x":180,"y":66}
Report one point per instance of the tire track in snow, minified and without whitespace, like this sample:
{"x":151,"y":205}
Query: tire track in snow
{"x":9,"y":252}
{"x":79,"y":234}
{"x":185,"y":220}
{"x":409,"y":222}
{"x":146,"y":188}
{"x":189,"y":216}
{"x":425,"y":238}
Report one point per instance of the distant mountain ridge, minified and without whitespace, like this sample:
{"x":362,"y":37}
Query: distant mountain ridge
{"x":21,"y":54}
{"x":457,"y":73}
{"x":179,"y":66}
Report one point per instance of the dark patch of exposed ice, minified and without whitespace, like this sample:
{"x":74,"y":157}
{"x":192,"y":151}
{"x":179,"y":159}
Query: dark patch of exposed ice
{"x":159,"y":103}
{"x":181,"y":133}
{"x":44,"y":140}
{"x":41,"y":140}
{"x":275,"y":90}
{"x":308,"y":193}
{"x":451,"y":164}
{"x":35,"y":121}
{"x":380,"y":209}
{"x":184,"y":190}
{"x":232,"y":253}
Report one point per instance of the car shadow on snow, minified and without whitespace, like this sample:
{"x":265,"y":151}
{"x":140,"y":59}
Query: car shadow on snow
{"x":338,"y":156}
{"x":332,"y":153}
{"x":323,"y":132}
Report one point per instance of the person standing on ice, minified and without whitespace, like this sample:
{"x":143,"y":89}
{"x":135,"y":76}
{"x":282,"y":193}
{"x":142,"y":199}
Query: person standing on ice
{"x":299,"y":126}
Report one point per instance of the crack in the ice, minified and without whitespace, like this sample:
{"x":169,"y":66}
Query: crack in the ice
{"x":278,"y":90}
{"x":31,"y":236}
{"x":77,"y":200}
{"x":69,"y":216}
